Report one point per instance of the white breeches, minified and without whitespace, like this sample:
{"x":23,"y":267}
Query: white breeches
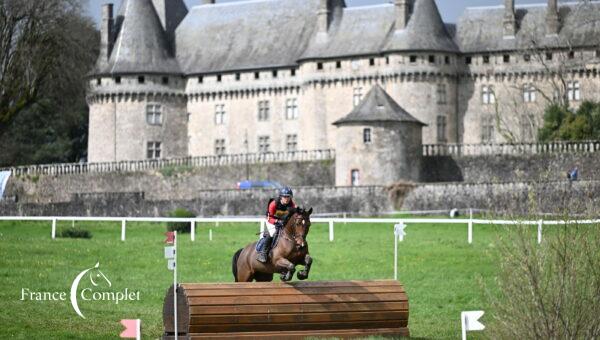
{"x":270,"y":228}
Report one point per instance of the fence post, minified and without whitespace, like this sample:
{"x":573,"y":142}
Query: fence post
{"x":470,"y":231}
{"x":53,"y":228}
{"x":123,"y":223}
{"x":262,"y":226}
{"x":210,"y":234}
{"x":331,"y":231}
{"x":539,"y":236}
{"x":193,"y":231}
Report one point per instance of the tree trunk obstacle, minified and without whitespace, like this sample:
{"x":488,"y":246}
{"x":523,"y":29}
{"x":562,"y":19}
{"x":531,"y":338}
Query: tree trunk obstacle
{"x":265,"y":310}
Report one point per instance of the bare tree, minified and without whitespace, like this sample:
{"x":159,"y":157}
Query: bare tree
{"x":31,"y":38}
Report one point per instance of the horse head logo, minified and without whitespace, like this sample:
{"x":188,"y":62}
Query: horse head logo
{"x":96,"y":277}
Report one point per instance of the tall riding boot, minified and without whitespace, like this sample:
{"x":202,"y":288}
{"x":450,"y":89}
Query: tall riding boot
{"x":263,"y":256}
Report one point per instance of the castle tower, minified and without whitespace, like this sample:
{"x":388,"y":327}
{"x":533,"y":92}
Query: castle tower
{"x":136,"y":98}
{"x":422,"y":48}
{"x":378,"y":143}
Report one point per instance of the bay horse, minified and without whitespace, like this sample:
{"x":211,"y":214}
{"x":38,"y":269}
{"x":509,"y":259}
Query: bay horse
{"x":291,"y":250}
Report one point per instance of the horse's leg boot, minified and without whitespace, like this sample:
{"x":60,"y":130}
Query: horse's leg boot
{"x":263,"y":256}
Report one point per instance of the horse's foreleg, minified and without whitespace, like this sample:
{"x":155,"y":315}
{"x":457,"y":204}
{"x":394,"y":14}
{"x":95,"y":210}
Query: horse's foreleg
{"x":303,"y":274}
{"x":286,"y":268}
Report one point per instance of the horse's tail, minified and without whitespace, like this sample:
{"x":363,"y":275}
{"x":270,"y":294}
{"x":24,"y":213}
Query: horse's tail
{"x":234,"y":261}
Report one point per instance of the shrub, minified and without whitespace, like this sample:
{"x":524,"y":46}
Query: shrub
{"x":180,"y":227}
{"x":75,"y":233}
{"x":549,"y":290}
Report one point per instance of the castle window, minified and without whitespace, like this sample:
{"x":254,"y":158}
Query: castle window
{"x":338,"y":64}
{"x":487,"y":94}
{"x":165,"y":80}
{"x":571,"y":54}
{"x":220,"y":114}
{"x":293,"y":72}
{"x":447,"y":60}
{"x":549,"y":56}
{"x":319,"y":66}
{"x":367,"y":136}
{"x":527,"y":127}
{"x":468,"y":60}
{"x":431,"y":59}
{"x":118,"y":80}
{"x":275,"y":73}
{"x":141,"y":79}
{"x":527,"y":57}
{"x":153,"y":150}
{"x":238,"y":77}
{"x":154,"y":114}
{"x":291,"y":142}
{"x":354,"y":177}
{"x":412,"y":59}
{"x":99,"y":81}
{"x":219,"y":147}
{"x":487,"y":129}
{"x":219,"y":78}
{"x":263,"y":110}
{"x":529,"y":93}
{"x":441,"y":129}
{"x":291,"y":109}
{"x":486,"y":59}
{"x":200,"y":79}
{"x":597,"y":53}
{"x":371,"y":62}
{"x":256,"y":75}
{"x":506,"y":58}
{"x":441,"y":94}
{"x":387,"y":60}
{"x":357,"y":96}
{"x":264,"y":144}
{"x":573,"y":90}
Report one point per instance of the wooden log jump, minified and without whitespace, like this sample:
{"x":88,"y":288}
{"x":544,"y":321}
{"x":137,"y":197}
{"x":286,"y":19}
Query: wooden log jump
{"x":265,"y":310}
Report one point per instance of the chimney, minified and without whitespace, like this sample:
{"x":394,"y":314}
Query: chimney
{"x":323,"y":17}
{"x":208,"y":2}
{"x":106,"y":31}
{"x":402,"y":13}
{"x":552,"y":21}
{"x":509,"y":23}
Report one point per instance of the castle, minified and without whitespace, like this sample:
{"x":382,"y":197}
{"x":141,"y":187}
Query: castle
{"x":374,"y":83}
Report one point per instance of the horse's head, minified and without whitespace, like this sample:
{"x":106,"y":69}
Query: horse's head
{"x":299,"y":224}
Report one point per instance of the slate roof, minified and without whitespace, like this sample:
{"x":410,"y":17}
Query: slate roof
{"x":142,"y":45}
{"x":480,"y":29}
{"x":245,"y":35}
{"x":378,"y":106}
{"x":425,"y":31}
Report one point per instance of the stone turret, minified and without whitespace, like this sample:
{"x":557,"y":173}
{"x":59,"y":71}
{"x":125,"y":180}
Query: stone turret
{"x":509,"y":23}
{"x":378,"y":143}
{"x":402,"y":13}
{"x":137,"y":86}
{"x":552,"y":20}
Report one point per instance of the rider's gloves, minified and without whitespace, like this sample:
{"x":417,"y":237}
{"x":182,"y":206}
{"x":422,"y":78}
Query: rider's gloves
{"x":278,"y":224}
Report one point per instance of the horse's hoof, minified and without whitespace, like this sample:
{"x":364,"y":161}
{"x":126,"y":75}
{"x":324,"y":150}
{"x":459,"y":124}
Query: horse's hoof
{"x":303,"y":275}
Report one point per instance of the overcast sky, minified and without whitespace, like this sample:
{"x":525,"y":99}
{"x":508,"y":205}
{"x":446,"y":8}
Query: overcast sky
{"x":450,"y":9}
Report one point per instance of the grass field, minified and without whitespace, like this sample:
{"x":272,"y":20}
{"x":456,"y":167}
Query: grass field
{"x":443,"y":275}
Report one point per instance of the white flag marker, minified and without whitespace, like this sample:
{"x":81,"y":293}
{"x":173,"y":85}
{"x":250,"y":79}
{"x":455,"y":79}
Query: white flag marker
{"x":470,"y":322}
{"x":169,"y":252}
{"x":399,"y":234}
{"x":171,"y":264}
{"x":399,"y":231}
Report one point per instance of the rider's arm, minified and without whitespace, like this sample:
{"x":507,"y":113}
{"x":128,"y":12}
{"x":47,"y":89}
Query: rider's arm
{"x":271,"y":216}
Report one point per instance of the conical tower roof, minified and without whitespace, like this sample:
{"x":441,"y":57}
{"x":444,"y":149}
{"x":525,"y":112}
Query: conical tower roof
{"x":378,"y":106}
{"x":425,"y":31}
{"x":141,"y":45}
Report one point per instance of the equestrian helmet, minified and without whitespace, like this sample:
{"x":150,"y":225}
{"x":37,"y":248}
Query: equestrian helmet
{"x":286,"y":192}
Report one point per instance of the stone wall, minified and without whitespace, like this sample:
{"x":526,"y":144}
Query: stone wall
{"x":175,"y":183}
{"x":580,"y":197}
{"x":505,"y":168}
{"x":364,"y":200}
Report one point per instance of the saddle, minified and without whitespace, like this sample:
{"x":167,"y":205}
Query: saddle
{"x":261,"y":243}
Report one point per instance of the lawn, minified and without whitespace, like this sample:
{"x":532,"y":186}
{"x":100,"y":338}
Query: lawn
{"x":443,"y":275}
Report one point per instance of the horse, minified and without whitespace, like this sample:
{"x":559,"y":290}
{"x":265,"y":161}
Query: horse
{"x":291,"y":250}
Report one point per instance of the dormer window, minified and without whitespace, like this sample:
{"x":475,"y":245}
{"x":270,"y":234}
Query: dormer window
{"x":99,"y":81}
{"x":371,"y":62}
{"x":413,"y":59}
{"x":219,"y":78}
{"x":256,"y":75}
{"x":432,"y":59}
{"x":468,"y":60}
{"x":549,"y":56}
{"x":293,"y":72}
{"x":118,"y":80}
{"x":319,"y":66}
{"x":165,"y":80}
{"x":486,"y":59}
{"x":338,"y":64}
{"x":200,"y":79}
{"x":238,"y":77}
{"x":506,"y":58}
{"x":141,"y":79}
{"x":275,"y":73}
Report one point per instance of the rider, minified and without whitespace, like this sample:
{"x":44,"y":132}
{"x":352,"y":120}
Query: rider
{"x":276,"y":211}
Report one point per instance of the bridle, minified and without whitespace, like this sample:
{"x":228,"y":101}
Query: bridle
{"x":292,"y":236}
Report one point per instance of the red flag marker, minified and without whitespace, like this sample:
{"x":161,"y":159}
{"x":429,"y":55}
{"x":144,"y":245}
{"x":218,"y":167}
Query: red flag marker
{"x":132,"y":329}
{"x":170,"y":237}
